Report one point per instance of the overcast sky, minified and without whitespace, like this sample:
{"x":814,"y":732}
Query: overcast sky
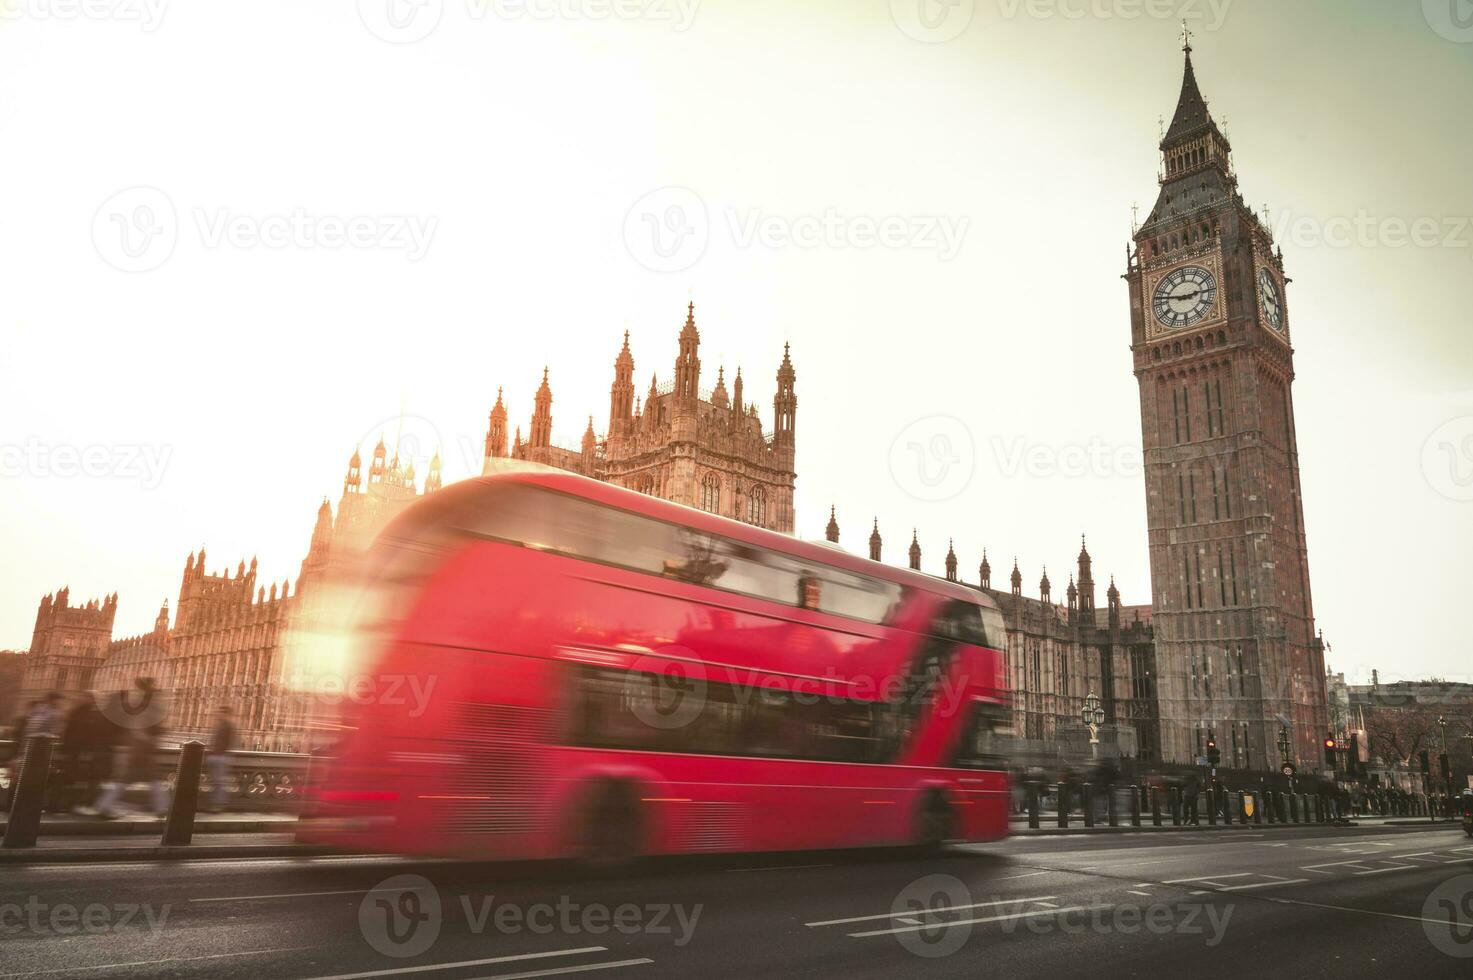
{"x":239,"y":240}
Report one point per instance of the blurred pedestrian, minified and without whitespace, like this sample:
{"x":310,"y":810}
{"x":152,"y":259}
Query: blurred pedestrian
{"x":45,"y":716}
{"x":1191,"y":789}
{"x":222,"y":742}
{"x":137,"y":749}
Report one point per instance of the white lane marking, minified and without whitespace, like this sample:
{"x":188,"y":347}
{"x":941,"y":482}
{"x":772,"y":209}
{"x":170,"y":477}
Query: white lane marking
{"x":585,"y":968}
{"x":1342,"y":908}
{"x":1333,"y":864}
{"x":1264,"y":884}
{"x":172,"y":959}
{"x":1183,"y":881}
{"x":1376,"y":871}
{"x":939,"y":908}
{"x":779,"y":867}
{"x":255,"y":898}
{"x":1047,"y":905}
{"x":1403,"y":857}
{"x":431,"y":967}
{"x":1031,"y":874}
{"x":1134,"y":892}
{"x":968,"y":922}
{"x":909,"y":921}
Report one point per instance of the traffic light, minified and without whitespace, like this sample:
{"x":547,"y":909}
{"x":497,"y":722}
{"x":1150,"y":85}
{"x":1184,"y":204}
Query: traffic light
{"x":1214,"y":757}
{"x":1330,"y":746}
{"x":1447,"y":769}
{"x":1354,"y":755}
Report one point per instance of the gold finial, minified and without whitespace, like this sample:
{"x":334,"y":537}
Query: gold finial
{"x":1186,"y":37}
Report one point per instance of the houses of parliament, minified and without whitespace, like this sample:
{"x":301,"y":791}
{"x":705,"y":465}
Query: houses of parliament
{"x":1225,"y":647}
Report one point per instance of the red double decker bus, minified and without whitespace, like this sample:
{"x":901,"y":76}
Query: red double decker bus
{"x":611,"y":675}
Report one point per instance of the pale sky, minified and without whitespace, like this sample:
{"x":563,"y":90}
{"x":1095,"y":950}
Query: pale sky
{"x":362,"y":212}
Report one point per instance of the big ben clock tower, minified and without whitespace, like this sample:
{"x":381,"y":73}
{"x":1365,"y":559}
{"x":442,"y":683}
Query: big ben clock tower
{"x":1237,"y":654}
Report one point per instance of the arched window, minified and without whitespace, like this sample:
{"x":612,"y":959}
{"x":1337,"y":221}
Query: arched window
{"x":757,"y":506}
{"x":711,"y":493}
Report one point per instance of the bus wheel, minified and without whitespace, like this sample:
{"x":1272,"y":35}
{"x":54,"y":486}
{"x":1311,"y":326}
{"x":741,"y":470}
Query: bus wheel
{"x":935,"y":824}
{"x":609,"y":833}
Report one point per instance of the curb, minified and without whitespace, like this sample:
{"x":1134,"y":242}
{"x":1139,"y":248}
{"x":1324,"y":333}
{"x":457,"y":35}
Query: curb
{"x":1168,"y":829}
{"x":60,"y":855}
{"x":128,"y":828}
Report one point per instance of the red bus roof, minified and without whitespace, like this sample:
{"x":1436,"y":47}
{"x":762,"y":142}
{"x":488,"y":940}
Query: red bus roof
{"x":611,"y":495}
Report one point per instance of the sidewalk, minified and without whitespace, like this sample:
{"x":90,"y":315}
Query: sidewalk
{"x":56,"y":850}
{"x":68,"y":825}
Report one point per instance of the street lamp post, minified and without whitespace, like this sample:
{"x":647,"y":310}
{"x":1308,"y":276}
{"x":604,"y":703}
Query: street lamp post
{"x":1094,"y":717}
{"x":1284,"y":752}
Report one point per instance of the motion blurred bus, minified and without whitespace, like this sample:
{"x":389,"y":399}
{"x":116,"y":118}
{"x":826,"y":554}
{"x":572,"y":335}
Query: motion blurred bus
{"x":609,"y":675}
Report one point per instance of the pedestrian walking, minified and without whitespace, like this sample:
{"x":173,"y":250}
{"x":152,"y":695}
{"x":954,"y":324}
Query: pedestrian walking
{"x":1190,"y":791}
{"x":222,"y":742}
{"x":135,"y":758}
{"x":45,"y":716}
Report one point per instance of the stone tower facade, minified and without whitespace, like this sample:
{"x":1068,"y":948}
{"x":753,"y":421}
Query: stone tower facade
{"x":68,"y":645}
{"x":1210,"y":338}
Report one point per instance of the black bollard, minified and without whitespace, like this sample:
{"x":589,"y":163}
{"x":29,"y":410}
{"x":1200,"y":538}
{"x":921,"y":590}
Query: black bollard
{"x":1063,"y":805}
{"x":1089,"y":804}
{"x":1176,"y":806}
{"x":1212,"y":796}
{"x":180,"y":827}
{"x":1227,"y":808}
{"x":1293,"y":807}
{"x":1112,"y":807}
{"x":29,"y":798}
{"x":1155,"y":806}
{"x":1032,"y":806}
{"x":1135,"y":806}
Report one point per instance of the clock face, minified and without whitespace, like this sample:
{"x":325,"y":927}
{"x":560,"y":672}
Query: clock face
{"x":1273,"y":303}
{"x":1185,"y":297}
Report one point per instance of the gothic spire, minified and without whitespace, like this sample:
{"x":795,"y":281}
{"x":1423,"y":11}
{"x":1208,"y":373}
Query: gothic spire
{"x":831,"y":532}
{"x":874,"y":542}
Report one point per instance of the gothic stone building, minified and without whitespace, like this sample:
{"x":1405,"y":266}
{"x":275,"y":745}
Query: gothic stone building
{"x":695,"y":447}
{"x":1059,"y":654}
{"x":1210,"y":338}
